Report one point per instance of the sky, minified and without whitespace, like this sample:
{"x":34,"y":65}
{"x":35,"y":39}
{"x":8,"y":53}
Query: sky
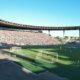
{"x":43,"y":13}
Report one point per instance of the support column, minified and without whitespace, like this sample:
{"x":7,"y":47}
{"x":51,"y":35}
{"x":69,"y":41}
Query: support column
{"x":63,"y":33}
{"x":49,"y":32}
{"x":79,"y":33}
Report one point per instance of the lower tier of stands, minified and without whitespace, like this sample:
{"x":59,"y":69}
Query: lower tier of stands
{"x":26,"y":38}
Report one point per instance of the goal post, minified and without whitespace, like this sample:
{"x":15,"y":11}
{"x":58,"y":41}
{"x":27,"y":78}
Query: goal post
{"x":46,"y":56}
{"x":16,"y":49}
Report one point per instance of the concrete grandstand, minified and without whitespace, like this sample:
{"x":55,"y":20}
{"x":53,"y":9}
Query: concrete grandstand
{"x":26,"y":38}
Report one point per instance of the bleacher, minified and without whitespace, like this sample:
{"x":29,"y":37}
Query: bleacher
{"x":26,"y":38}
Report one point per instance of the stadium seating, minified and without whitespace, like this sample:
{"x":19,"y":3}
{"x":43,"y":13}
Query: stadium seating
{"x":26,"y":38}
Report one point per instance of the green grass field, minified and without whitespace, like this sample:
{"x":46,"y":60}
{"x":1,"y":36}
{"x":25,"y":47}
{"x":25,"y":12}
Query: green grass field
{"x":60,"y":60}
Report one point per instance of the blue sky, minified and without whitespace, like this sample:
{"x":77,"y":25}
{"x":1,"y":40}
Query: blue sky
{"x":42,"y":12}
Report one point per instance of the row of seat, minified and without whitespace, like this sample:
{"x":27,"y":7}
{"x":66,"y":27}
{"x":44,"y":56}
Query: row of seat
{"x":26,"y":38}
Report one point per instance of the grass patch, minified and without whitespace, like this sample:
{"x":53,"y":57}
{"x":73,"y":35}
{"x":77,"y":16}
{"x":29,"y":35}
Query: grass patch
{"x":68,"y":64}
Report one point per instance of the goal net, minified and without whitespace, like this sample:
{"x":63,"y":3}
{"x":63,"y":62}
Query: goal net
{"x":46,"y":56}
{"x":16,"y":49}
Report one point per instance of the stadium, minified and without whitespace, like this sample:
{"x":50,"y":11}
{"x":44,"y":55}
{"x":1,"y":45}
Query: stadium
{"x":41,"y":56}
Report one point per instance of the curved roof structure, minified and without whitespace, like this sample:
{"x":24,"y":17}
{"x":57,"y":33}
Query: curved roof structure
{"x":12,"y":25}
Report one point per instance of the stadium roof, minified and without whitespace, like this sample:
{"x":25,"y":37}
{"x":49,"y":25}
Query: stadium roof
{"x":6,"y":24}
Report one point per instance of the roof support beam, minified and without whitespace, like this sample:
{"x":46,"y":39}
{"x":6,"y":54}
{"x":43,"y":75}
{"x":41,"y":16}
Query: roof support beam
{"x":6,"y":24}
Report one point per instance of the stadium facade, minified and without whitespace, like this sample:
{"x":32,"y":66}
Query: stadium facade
{"x":11,"y":25}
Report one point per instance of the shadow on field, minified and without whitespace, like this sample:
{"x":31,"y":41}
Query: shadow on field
{"x":71,"y":71}
{"x":9,"y":70}
{"x":67,"y":71}
{"x":18,"y":55}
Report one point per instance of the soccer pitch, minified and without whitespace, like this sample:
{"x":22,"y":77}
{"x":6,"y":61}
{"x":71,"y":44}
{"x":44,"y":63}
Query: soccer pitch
{"x":63,"y":60}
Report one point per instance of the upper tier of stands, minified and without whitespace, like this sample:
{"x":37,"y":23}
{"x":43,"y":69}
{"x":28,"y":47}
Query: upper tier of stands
{"x":11,"y":25}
